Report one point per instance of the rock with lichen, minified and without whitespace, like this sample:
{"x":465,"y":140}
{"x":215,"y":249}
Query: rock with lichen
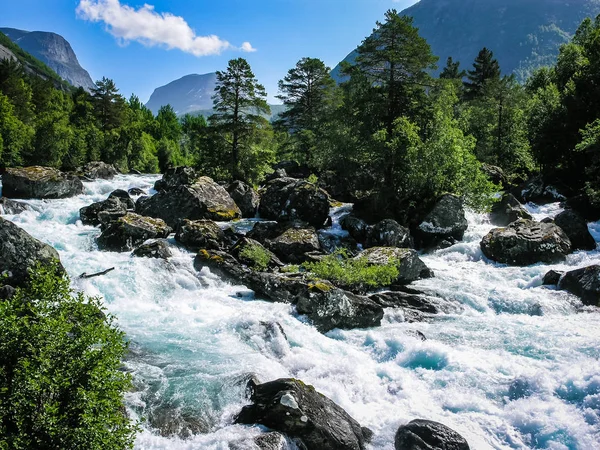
{"x":130,"y":231}
{"x":39,"y":182}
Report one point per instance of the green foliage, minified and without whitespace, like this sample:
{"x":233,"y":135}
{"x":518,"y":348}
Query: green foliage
{"x":61,"y":383}
{"x":258,"y":257}
{"x":485,"y":69}
{"x":340,"y":269}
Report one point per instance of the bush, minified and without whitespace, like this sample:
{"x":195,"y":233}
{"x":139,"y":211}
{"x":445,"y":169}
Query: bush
{"x":258,"y":257}
{"x":340,"y":269}
{"x":61,"y":383}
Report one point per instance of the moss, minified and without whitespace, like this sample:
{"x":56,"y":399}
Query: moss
{"x":224,"y":215}
{"x":320,"y":285}
{"x":258,"y":257}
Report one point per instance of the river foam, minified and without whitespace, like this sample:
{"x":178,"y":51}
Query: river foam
{"x":517,"y":368}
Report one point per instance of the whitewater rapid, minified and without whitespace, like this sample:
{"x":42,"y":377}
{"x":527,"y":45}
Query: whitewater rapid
{"x":516,"y":366}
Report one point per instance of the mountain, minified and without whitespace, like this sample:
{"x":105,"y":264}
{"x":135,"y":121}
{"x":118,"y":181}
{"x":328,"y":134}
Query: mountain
{"x":53,"y":50}
{"x":523,"y":34}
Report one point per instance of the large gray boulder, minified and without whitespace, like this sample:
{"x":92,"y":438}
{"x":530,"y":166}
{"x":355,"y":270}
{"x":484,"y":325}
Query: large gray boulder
{"x":204,"y":199}
{"x":20,"y":252}
{"x":294,"y":243}
{"x":576,"y":228}
{"x":116,"y":205}
{"x":39,"y":182}
{"x":299,"y":411}
{"x":197,"y":234}
{"x":358,"y":229}
{"x":289,"y":199}
{"x":389,"y":233}
{"x":526,"y":242}
{"x":158,"y":249}
{"x":410,"y":266}
{"x":99,"y":170}
{"x":246,"y":197}
{"x":584,"y":283}
{"x":130,"y":231}
{"x":175,"y":177}
{"x":445,"y":223}
{"x":507,"y":210}
{"x":428,"y":435}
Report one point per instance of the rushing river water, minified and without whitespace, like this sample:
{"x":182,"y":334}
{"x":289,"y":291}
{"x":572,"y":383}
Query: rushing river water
{"x":517,"y":366}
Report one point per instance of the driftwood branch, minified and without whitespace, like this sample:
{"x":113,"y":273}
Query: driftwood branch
{"x":104,"y":272}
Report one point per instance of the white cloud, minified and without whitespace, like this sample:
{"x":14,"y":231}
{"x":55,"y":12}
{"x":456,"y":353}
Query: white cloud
{"x":151,"y":28}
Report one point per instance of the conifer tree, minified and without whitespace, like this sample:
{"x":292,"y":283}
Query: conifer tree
{"x":452,"y":70}
{"x":485,"y":69}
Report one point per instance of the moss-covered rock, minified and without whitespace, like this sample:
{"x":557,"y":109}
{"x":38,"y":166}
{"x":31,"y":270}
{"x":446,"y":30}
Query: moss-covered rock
{"x":131,"y":230}
{"x":39,"y":182}
{"x":410,"y":266}
{"x":197,"y":234}
{"x":294,"y":243}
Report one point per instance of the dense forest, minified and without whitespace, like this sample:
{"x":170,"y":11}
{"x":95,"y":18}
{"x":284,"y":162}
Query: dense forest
{"x":391,"y":131}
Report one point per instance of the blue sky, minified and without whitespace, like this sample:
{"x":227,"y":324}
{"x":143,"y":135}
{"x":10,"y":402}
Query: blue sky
{"x":128,"y":41}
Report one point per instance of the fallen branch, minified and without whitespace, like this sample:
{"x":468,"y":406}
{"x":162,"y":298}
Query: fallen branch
{"x":104,"y":272}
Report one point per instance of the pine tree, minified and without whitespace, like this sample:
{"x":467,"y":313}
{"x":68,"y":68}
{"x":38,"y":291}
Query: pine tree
{"x":452,"y":70}
{"x":239,"y":101}
{"x":485,"y":69}
{"x":109,"y":105}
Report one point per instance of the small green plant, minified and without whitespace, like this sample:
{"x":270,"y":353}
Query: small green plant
{"x":340,"y":269}
{"x":313,"y":178}
{"x":61,"y":381}
{"x":257,"y":257}
{"x":290,"y":268}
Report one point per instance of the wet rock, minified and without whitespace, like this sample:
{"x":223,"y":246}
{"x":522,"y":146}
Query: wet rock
{"x":271,"y":441}
{"x":584,"y":283}
{"x":299,"y":411}
{"x":507,"y":210}
{"x":329,"y":307}
{"x":537,"y":190}
{"x":124,"y":197}
{"x":39,"y":182}
{"x":245,"y":196}
{"x":445,"y":221}
{"x":155,"y":249}
{"x":389,"y":233}
{"x":575,"y":227}
{"x":397,"y":299}
{"x":171,"y":421}
{"x":357,"y":228}
{"x":136,"y":191}
{"x":526,"y":242}
{"x":264,"y":231}
{"x":130,"y":231}
{"x":8,"y":206}
{"x":293,"y":245}
{"x":175,"y":177}
{"x":197,"y":234}
{"x":288,"y":199}
{"x":428,"y":435}
{"x":410,"y":266}
{"x":20,"y":252}
{"x":495,"y":174}
{"x":204,"y":199}
{"x":552,"y":278}
{"x":107,"y":211}
{"x":99,"y":170}
{"x":254,"y":255}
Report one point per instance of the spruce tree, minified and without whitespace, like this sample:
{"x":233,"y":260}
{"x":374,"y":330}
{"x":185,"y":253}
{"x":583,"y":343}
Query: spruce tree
{"x":485,"y":69}
{"x":452,"y":70}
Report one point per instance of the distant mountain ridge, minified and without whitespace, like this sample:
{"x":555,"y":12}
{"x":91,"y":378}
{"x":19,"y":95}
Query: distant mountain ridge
{"x":523,"y":34}
{"x":53,"y":50}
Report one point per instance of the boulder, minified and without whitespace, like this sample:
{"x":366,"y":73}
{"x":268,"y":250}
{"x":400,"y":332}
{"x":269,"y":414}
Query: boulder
{"x":8,"y":206}
{"x":329,"y":307}
{"x":124,"y":197}
{"x":130,"y":231}
{"x":428,"y":435}
{"x":271,"y":441}
{"x":288,"y":199}
{"x":245,"y":196}
{"x":389,"y":233}
{"x":445,"y":222}
{"x":154,"y":249}
{"x":293,"y":244}
{"x":407,"y":300}
{"x":175,"y":177}
{"x":526,"y":242}
{"x":575,"y":227}
{"x":197,"y":234}
{"x":410,"y":266}
{"x":495,"y":174}
{"x":537,"y":190}
{"x":204,"y":199}
{"x":107,"y":211}
{"x":39,"y":182}
{"x":552,"y":278}
{"x":264,"y":231}
{"x":584,"y":283}
{"x":293,"y":169}
{"x":507,"y":210}
{"x":20,"y":252}
{"x":136,"y":192}
{"x":299,"y":411}
{"x":358,"y":229}
{"x":587,"y":207}
{"x":99,"y":170}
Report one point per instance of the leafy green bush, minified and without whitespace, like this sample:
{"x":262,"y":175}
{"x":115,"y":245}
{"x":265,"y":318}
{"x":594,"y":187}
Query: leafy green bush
{"x":258,"y":257}
{"x":340,"y":269}
{"x":61,"y":383}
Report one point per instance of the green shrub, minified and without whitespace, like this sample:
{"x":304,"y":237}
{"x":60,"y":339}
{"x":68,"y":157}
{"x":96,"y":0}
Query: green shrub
{"x":257,"y":257}
{"x":340,"y":269}
{"x":61,"y":383}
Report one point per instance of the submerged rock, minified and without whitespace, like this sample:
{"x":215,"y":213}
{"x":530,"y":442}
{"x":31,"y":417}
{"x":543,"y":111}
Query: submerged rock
{"x":246,"y":197}
{"x":410,"y":266}
{"x":575,"y":227}
{"x":299,"y":411}
{"x":428,"y":435}
{"x":507,"y":210}
{"x":130,"y":231}
{"x":445,"y":222}
{"x":526,"y":242}
{"x":40,"y":182}
{"x":204,"y":199}
{"x":99,"y":170}
{"x":288,"y":199}
{"x":20,"y":252}
{"x":8,"y":206}
{"x":584,"y":283}
{"x":155,"y":249}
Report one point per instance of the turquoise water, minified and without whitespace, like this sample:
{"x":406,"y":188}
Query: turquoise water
{"x":515,"y":367}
